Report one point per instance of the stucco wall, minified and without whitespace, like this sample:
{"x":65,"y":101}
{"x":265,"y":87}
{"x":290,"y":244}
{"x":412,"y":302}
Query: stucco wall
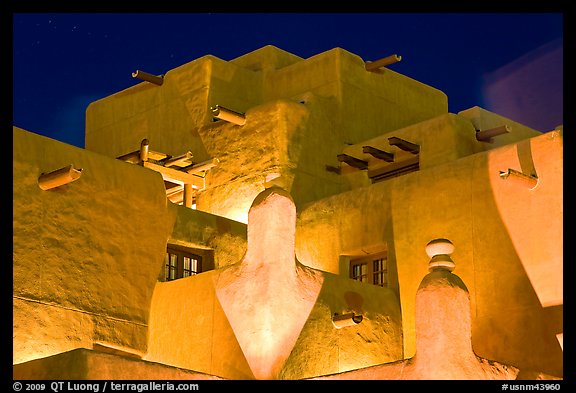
{"x":270,"y":317}
{"x":507,"y":238}
{"x":300,"y":113}
{"x":189,"y":329}
{"x":85,"y":364}
{"x":195,"y":332}
{"x":169,"y":115}
{"x":86,"y":255}
{"x":225,"y":238}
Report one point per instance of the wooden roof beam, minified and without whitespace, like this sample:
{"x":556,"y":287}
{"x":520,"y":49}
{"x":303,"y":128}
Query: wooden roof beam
{"x":180,"y":161}
{"x":157,"y":80}
{"x":486,"y":135}
{"x":59,"y":177}
{"x":379,"y":154}
{"x":404,"y":145}
{"x":176,"y":176}
{"x":221,"y":113}
{"x":202,"y":166}
{"x":373,"y":66}
{"x":135,"y":156}
{"x":353,"y":161}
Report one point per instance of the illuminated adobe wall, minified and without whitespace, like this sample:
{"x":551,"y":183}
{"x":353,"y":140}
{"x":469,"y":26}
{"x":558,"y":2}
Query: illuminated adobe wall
{"x":86,"y":255}
{"x":266,"y":311}
{"x":364,"y":219}
{"x":443,"y":331}
{"x":299,"y":112}
{"x":270,"y":317}
{"x":85,"y":364}
{"x":204,"y":231}
{"x":509,"y":241}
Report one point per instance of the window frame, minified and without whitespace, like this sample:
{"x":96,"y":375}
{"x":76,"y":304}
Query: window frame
{"x":369,"y":261}
{"x":179,"y":269}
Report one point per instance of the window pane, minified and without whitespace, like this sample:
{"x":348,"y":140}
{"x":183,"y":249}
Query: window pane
{"x":371,"y":269}
{"x":179,"y":264}
{"x":171,"y":266}
{"x":380,"y":271}
{"x":186,"y":270}
{"x":167,"y":266}
{"x":360,"y":272}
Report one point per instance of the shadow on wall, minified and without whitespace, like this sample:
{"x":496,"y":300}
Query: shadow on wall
{"x":530,"y":314}
{"x":529,"y":89}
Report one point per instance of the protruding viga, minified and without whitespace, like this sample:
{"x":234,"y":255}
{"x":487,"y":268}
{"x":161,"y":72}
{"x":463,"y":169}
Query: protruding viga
{"x":268,"y":296}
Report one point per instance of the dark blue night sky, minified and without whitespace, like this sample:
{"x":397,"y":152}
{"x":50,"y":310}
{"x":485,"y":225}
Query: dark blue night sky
{"x":64,"y":61}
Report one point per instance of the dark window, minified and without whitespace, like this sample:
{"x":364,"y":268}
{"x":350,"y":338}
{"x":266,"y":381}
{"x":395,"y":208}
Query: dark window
{"x":372,"y":269}
{"x":180,"y":264}
{"x":360,"y":271}
{"x":380,"y":272}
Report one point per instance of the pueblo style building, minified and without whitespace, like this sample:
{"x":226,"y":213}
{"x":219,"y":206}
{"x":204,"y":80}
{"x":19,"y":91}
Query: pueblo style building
{"x":274,"y":217}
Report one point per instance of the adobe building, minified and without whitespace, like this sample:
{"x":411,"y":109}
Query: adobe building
{"x":274,"y":217}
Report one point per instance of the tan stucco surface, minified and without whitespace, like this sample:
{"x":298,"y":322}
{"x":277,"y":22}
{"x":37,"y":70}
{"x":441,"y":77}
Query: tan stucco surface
{"x":444,"y":349}
{"x":463,"y":201}
{"x":189,"y":329}
{"x":86,"y":254}
{"x":298,"y":113}
{"x":85,"y":364}
{"x":270,"y":317}
{"x":200,"y":230}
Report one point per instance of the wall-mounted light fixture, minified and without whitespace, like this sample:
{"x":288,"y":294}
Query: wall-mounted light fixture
{"x":59,"y":177}
{"x":228,"y":115}
{"x":344,"y":320}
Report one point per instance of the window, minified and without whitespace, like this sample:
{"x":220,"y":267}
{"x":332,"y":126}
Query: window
{"x":180,"y":264}
{"x":372,"y":269}
{"x":380,"y":272}
{"x":360,"y":272}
